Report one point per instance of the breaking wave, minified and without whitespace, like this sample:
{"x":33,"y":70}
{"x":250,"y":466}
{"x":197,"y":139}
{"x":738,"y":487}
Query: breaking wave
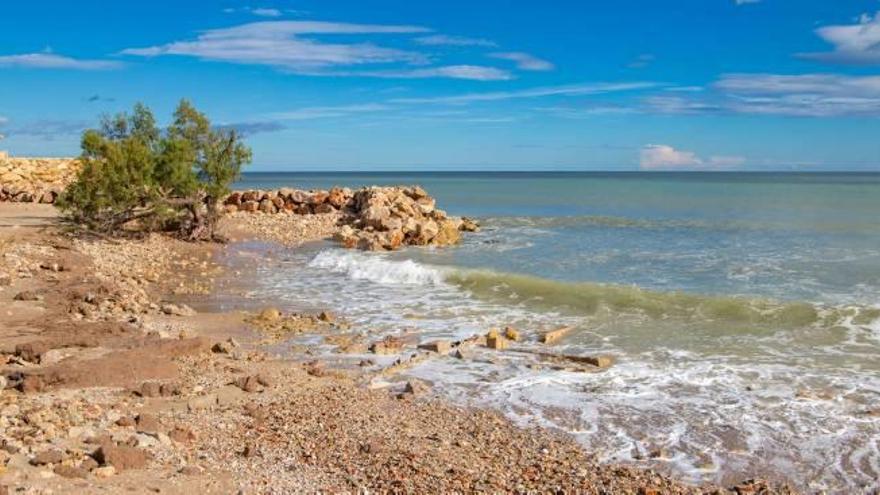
{"x":589,"y":299}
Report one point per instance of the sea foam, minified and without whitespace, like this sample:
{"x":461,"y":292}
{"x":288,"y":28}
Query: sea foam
{"x":376,"y":268}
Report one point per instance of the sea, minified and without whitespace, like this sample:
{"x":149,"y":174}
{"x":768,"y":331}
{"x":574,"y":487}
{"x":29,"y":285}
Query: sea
{"x":742,"y":311}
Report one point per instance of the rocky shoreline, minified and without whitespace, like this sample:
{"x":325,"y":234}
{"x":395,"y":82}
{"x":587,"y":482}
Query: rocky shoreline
{"x":110,"y":384}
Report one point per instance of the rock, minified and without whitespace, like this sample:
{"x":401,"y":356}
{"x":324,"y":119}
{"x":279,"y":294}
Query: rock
{"x":270,"y":314}
{"x":70,"y":471}
{"x":5,"y":280}
{"x":415,"y":388}
{"x":104,"y":472}
{"x":554,"y":335}
{"x":324,"y":208}
{"x":298,"y":197}
{"x":225,"y":347}
{"x":266,"y":206}
{"x":27,"y":296}
{"x":54,"y":267}
{"x":447,"y":234}
{"x":149,"y":389}
{"x":121,"y":457}
{"x":229,"y":395}
{"x":512,"y":334}
{"x":32,"y":384}
{"x":326,"y":316}
{"x":252,"y":383}
{"x":47,"y":457}
{"x":255,"y":411}
{"x":53,"y":356}
{"x":191,"y":470}
{"x":148,"y":424}
{"x":426,"y":232}
{"x":337,"y":198}
{"x":250,"y":450}
{"x":249,"y":207}
{"x":182,"y":435}
{"x":438,"y":346}
{"x":125,"y":422}
{"x":201,"y":402}
{"x":175,"y":310}
{"x":468,"y":225}
{"x":388,"y":345}
{"x":31,"y":351}
{"x":599,"y":361}
{"x":497,"y":342}
{"x":233,"y":199}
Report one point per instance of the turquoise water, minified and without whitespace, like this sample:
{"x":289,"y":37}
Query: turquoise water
{"x":743,"y":311}
{"x":812,"y":237}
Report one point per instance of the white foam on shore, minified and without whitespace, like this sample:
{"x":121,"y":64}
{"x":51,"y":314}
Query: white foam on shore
{"x":376,"y":268}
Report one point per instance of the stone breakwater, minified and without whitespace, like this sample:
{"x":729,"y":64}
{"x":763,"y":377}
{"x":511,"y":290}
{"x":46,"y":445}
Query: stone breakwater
{"x":35,"y":180}
{"x":371,"y":218}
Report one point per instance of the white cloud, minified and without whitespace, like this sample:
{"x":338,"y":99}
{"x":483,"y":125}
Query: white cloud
{"x":472,"y":72}
{"x":665,"y":157}
{"x":680,"y":105}
{"x":265,"y":12}
{"x":804,"y":95}
{"x":442,"y":39}
{"x":524,"y":61}
{"x":540,"y":92}
{"x":809,"y":95}
{"x":279,"y":44}
{"x":47,"y":60}
{"x":746,"y":2}
{"x":853,"y":44}
{"x":3,"y":120}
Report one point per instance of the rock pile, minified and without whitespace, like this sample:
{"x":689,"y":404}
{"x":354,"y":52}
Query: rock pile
{"x":372,"y":218}
{"x":35,"y":180}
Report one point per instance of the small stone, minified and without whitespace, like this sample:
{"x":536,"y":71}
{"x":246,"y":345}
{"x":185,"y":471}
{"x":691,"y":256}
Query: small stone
{"x":191,"y":470}
{"x":70,"y":471}
{"x":270,"y":314}
{"x":250,"y":450}
{"x":125,"y":421}
{"x":150,"y":389}
{"x":121,"y":457}
{"x":249,"y":384}
{"x":32,"y":384}
{"x":414,"y":388}
{"x":31,"y":351}
{"x":104,"y":472}
{"x":201,"y":402}
{"x":496,"y":342}
{"x":225,"y":347}
{"x":182,"y":435}
{"x":438,"y":346}
{"x":148,"y":424}
{"x":512,"y":334}
{"x":47,"y":457}
{"x":554,"y":335}
{"x":27,"y":296}
{"x":326,"y":317}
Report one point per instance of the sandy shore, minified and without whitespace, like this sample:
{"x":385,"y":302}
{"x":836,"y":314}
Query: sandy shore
{"x":111,"y":385}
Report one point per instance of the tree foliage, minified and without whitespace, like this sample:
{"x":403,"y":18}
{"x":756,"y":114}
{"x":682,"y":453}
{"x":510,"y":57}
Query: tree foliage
{"x":135,"y":174}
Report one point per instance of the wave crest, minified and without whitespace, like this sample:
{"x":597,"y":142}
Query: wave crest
{"x":376,"y":268}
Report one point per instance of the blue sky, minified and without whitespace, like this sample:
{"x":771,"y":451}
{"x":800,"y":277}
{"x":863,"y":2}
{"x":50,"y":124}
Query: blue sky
{"x":463,"y":85}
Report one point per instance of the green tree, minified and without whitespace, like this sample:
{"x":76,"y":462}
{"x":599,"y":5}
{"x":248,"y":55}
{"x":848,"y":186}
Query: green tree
{"x":134,"y":174}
